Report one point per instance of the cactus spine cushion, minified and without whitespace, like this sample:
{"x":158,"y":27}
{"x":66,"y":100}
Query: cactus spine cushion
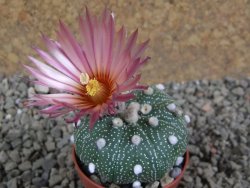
{"x":140,"y":143}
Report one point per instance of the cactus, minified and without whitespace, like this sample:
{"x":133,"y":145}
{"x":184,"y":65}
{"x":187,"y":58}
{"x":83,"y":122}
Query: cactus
{"x":139,"y":144}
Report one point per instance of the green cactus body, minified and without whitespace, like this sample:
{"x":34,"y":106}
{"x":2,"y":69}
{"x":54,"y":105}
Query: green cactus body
{"x":122,"y":157}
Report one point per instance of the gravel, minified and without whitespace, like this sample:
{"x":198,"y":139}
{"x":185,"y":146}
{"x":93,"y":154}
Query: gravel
{"x":36,"y":151}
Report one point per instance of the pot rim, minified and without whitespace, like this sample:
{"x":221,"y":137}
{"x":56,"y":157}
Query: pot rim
{"x":176,"y":180}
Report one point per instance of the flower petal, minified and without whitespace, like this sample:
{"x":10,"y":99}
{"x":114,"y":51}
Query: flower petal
{"x":54,"y":74}
{"x":72,"y":49}
{"x":60,"y":57}
{"x":51,"y":82}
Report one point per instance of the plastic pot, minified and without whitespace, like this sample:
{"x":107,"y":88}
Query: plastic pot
{"x":88,"y":183}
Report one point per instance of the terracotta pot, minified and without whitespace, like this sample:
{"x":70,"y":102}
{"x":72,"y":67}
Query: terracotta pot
{"x":88,"y":183}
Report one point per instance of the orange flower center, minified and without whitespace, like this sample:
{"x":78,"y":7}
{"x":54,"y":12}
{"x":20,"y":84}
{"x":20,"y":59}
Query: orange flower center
{"x":97,"y":90}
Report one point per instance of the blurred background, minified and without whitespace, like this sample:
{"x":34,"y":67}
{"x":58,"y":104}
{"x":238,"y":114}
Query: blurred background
{"x":190,"y":39}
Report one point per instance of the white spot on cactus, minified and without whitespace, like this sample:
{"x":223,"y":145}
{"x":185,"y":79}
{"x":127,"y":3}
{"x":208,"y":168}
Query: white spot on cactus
{"x":179,"y":112}
{"x":160,"y":86}
{"x":187,"y":118}
{"x":134,"y":106}
{"x":131,"y":113}
{"x":146,"y":108}
{"x":172,"y":139}
{"x":179,"y":160}
{"x":117,"y":122}
{"x":72,"y":139}
{"x":91,"y":168}
{"x":101,"y":143}
{"x":153,"y":121}
{"x":171,"y":107}
{"x":113,"y":15}
{"x":136,"y":184}
{"x":136,"y":140}
{"x":137,"y":169}
{"x":149,"y":91}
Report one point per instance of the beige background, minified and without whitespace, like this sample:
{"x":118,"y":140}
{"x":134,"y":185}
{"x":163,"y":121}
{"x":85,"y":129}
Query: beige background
{"x":190,"y":39}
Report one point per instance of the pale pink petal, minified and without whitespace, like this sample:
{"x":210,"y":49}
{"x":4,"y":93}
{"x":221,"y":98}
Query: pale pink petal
{"x":60,"y":57}
{"x":140,"y":49}
{"x":54,"y":74}
{"x":93,"y":118}
{"x":54,"y":63}
{"x":130,"y":84}
{"x":50,"y":82}
{"x":72,"y":49}
{"x":131,"y":40}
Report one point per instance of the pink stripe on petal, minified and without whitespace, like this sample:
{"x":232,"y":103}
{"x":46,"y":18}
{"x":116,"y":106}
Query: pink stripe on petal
{"x":90,"y":33}
{"x":52,"y":83}
{"x":111,"y":31}
{"x":54,"y":63}
{"x":60,"y":57}
{"x":77,"y":116}
{"x":54,"y":74}
{"x":140,"y":49}
{"x":140,"y":87}
{"x":129,"y":84}
{"x":93,"y":118}
{"x":65,"y":62}
{"x":124,"y":97}
{"x":131,"y":40}
{"x":61,"y":98}
{"x":136,"y":65}
{"x":72,"y":49}
{"x":87,"y":46}
{"x":51,"y":109}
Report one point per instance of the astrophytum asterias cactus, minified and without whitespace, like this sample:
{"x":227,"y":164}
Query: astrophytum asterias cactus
{"x":139,"y":144}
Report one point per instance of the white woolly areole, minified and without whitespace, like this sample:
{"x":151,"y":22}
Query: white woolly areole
{"x":101,"y":142}
{"x":131,"y":114}
{"x":137,"y":169}
{"x":160,"y":86}
{"x":179,"y":160}
{"x":72,"y":139}
{"x":187,"y":118}
{"x":171,"y":107}
{"x":172,"y":139}
{"x":134,"y":106}
{"x":153,"y":121}
{"x":117,"y":122}
{"x":136,"y":140}
{"x":146,"y":108}
{"x":149,"y":91}
{"x":91,"y":168}
{"x":136,"y":184}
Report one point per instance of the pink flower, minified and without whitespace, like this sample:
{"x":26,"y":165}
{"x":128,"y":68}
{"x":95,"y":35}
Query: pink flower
{"x":92,"y":76}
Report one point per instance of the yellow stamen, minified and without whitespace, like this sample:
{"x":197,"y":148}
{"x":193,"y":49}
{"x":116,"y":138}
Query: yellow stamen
{"x":93,"y":87}
{"x":84,"y":78}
